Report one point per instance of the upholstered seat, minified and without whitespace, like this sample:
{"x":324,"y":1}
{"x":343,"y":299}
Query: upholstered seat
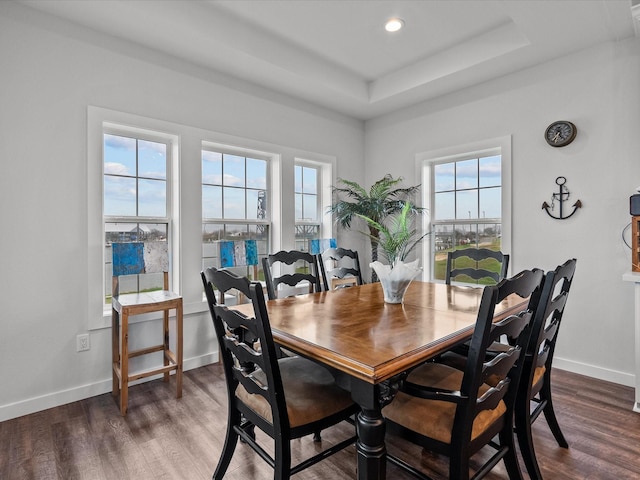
{"x":309,"y":388}
{"x":433,"y":417}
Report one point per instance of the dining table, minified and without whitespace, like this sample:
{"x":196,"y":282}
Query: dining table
{"x":369,"y":344}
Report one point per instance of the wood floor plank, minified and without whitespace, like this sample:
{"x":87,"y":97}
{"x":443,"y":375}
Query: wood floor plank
{"x":167,"y":438}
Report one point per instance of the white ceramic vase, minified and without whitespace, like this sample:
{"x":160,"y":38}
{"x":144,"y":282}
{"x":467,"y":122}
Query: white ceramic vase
{"x":396,"y":279}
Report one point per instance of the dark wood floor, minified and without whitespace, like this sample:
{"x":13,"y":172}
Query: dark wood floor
{"x":166,"y":438}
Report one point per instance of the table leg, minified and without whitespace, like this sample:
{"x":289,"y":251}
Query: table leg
{"x":372,"y":453}
{"x":371,"y":428}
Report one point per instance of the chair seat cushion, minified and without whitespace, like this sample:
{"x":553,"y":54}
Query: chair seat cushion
{"x":434,"y":418}
{"x":309,"y":389}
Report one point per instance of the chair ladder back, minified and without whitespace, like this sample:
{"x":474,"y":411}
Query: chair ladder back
{"x":477,"y":272}
{"x":334,"y":257}
{"x":246,"y":342}
{"x":516,"y":328}
{"x":290,"y":258}
{"x":552,"y":302}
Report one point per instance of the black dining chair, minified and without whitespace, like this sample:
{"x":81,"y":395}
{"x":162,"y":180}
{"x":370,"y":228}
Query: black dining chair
{"x":535,"y":386}
{"x":473,"y":265}
{"x":304,"y":264}
{"x":339,"y":267}
{"x":286,"y":398}
{"x":457,"y":413}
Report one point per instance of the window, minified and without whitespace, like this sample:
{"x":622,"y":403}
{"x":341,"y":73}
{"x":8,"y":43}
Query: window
{"x":307,"y":201}
{"x":467,"y":197}
{"x":234,"y":204}
{"x":136,"y":206}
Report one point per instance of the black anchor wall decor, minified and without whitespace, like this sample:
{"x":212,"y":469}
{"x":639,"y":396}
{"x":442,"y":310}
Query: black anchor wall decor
{"x":561,"y":197}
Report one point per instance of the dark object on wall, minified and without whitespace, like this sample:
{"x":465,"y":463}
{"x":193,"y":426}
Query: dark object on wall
{"x":634,"y":204}
{"x":561,"y":197}
{"x":560,"y":133}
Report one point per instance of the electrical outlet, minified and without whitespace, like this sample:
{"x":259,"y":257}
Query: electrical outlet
{"x":82,"y":342}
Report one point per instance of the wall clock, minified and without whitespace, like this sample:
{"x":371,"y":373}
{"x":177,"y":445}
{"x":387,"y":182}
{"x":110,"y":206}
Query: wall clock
{"x":560,"y":133}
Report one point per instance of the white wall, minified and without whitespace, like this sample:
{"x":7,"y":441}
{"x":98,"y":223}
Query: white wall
{"x":50,"y":72}
{"x":598,"y":90}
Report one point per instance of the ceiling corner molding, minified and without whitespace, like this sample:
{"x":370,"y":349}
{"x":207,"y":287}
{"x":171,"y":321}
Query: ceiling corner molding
{"x":495,"y":43}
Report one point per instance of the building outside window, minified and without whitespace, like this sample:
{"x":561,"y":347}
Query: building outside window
{"x":136,"y":206}
{"x":234,"y":205}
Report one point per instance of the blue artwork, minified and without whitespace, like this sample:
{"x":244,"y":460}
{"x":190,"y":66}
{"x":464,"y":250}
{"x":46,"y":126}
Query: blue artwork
{"x":238,"y":254}
{"x":320,"y":245}
{"x":138,"y":257}
{"x":128,"y":258}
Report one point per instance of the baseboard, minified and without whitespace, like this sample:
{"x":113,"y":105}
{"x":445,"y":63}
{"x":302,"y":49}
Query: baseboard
{"x":614,"y":376}
{"x":55,"y":399}
{"x":32,"y":405}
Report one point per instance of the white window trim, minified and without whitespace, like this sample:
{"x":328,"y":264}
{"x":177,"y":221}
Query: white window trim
{"x":424,"y":162}
{"x":100,"y":121}
{"x":326,"y":174}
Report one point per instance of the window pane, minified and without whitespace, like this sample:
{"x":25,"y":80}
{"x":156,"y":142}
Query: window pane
{"x":465,"y":234}
{"x":297,"y":179}
{"x":211,"y":202}
{"x":444,"y":205}
{"x":467,"y":174}
{"x":310,"y":207}
{"x":444,"y":177}
{"x":491,"y":202}
{"x":152,"y":159}
{"x":119,"y":196}
{"x":256,"y":173}
{"x":489,"y":236}
{"x":253,"y":204}
{"x":152,"y":198}
{"x":234,"y":203}
{"x":310,"y":180}
{"x":443,"y":243}
{"x":233,"y":169}
{"x":467,"y":204}
{"x":211,"y":167}
{"x":119,"y":155}
{"x":298,"y":200}
{"x":491,"y":171}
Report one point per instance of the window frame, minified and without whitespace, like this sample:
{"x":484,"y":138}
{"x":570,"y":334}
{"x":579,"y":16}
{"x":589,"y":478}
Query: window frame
{"x":270,"y":158}
{"x":425,"y":162}
{"x":186,"y":203}
{"x":100,"y":122}
{"x":324,"y":180}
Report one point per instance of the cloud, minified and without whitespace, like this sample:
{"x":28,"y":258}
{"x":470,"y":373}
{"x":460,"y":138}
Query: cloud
{"x":114,"y":168}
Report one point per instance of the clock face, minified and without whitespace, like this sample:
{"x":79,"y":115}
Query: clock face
{"x":560,"y":133}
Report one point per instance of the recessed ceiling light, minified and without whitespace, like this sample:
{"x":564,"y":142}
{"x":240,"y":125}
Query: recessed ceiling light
{"x":394,"y":24}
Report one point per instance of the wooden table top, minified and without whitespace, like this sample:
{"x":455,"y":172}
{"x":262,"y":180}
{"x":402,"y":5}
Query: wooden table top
{"x":355,"y":331}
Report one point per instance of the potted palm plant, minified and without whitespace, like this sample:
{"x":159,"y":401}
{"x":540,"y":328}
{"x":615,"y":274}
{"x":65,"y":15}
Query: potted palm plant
{"x":384,"y":199}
